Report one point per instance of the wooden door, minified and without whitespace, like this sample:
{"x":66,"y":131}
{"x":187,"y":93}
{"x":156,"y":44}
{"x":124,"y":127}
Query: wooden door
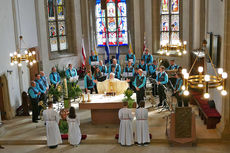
{"x":2,"y":109}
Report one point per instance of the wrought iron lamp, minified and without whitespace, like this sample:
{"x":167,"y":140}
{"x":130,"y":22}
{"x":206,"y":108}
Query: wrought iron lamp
{"x":173,"y":49}
{"x":204,"y":81}
{"x":17,"y":58}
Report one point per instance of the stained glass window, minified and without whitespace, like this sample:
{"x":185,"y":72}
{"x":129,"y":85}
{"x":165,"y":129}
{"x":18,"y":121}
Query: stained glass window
{"x":112,"y":24}
{"x":57,"y":25}
{"x":170,"y":22}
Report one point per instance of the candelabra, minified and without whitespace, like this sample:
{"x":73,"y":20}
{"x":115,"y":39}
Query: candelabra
{"x":173,"y":49}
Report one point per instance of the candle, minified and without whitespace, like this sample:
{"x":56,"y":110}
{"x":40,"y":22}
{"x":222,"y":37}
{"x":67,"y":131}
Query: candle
{"x":66,"y":88}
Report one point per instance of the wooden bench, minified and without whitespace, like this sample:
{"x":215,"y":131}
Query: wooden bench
{"x":210,"y":116}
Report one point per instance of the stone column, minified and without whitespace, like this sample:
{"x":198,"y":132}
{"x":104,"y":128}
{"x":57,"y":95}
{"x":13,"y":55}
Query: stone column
{"x":155,"y":25}
{"x":148,"y":23}
{"x":225,"y":126}
{"x":137,"y":28}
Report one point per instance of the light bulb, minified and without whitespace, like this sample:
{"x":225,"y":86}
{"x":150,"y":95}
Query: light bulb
{"x":224,"y":75}
{"x":200,"y":69}
{"x":178,"y":50}
{"x":186,"y":92}
{"x":219,"y":87}
{"x":30,"y":54}
{"x":11,"y":55}
{"x":224,"y":93}
{"x":19,"y":55}
{"x":184,"y":71}
{"x":31,"y":63}
{"x":167,"y":53}
{"x":15,"y":62}
{"x":184,"y":52}
{"x":185,"y":42}
{"x":19,"y":64}
{"x":15,"y":53}
{"x":186,"y":76}
{"x":183,"y":87}
{"x":206,"y":95}
{"x":12,"y":64}
{"x":34,"y":61}
{"x":200,"y":85}
{"x":26,"y":52}
{"x":207,"y":78}
{"x":220,"y":70}
{"x":33,"y":52}
{"x":27,"y":61}
{"x":179,"y":54}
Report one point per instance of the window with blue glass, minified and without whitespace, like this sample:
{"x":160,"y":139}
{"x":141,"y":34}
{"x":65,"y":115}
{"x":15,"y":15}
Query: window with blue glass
{"x":111,"y":23}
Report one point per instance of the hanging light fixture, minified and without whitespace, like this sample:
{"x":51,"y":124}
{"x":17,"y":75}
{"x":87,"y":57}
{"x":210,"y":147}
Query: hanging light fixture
{"x":204,"y":81}
{"x":178,"y":49}
{"x":29,"y":56}
{"x":22,"y":54}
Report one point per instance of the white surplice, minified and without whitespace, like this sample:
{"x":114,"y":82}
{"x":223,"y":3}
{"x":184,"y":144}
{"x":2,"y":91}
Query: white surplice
{"x":74,"y":132}
{"x":126,"y":127}
{"x":142,"y":127}
{"x":51,"y":119}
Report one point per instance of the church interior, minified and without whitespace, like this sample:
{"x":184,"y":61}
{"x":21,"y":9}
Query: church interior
{"x":114,"y":76}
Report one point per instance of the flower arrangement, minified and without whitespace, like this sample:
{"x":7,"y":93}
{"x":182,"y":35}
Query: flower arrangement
{"x":128,"y":94}
{"x":55,"y":92}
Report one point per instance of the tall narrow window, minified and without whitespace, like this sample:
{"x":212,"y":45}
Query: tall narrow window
{"x":170,"y":22}
{"x":57,"y":25}
{"x":112,"y":23}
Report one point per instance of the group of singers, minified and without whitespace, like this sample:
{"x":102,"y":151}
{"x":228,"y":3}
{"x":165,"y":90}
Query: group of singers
{"x":136,"y":74}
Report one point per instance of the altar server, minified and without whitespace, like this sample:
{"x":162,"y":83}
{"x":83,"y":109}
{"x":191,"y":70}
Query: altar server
{"x":103,"y":68}
{"x":148,"y":58}
{"x":51,"y":119}
{"x":44,"y":79}
{"x":55,"y":78}
{"x":74,"y":132}
{"x":143,"y":66}
{"x":172,"y":65}
{"x":89,"y":82}
{"x":142,"y":127}
{"x":126,"y":127}
{"x":139,"y":84}
{"x":130,"y":57}
{"x":71,"y":74}
{"x":34,"y":95}
{"x":93,"y":61}
{"x":162,"y":80}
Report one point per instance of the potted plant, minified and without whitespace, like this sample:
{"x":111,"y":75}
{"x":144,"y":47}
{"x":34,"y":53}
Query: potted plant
{"x":128,"y":94}
{"x":55,"y":92}
{"x":72,"y":91}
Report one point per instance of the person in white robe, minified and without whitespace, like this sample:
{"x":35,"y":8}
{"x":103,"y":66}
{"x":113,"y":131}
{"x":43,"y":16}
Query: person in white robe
{"x":142,"y":127}
{"x":126,"y":127}
{"x":74,"y":132}
{"x":51,"y":119}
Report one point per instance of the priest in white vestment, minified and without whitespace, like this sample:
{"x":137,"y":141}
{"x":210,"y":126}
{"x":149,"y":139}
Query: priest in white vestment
{"x":126,"y":126}
{"x":74,"y":132}
{"x":51,"y":119}
{"x":118,"y":86}
{"x":142,"y":127}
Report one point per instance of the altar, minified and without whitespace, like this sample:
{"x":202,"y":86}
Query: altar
{"x":104,"y":109}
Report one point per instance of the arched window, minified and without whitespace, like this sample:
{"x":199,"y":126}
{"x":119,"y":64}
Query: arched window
{"x":111,"y":22}
{"x":57,"y":25}
{"x":170,"y":21}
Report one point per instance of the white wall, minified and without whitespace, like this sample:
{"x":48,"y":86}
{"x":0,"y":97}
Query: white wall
{"x":216,"y":26}
{"x":10,"y":31}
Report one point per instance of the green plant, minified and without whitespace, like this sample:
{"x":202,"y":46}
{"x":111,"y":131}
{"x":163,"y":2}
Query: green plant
{"x":74,"y":90}
{"x":128,"y":94}
{"x":61,"y":72}
{"x":56,"y":92}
